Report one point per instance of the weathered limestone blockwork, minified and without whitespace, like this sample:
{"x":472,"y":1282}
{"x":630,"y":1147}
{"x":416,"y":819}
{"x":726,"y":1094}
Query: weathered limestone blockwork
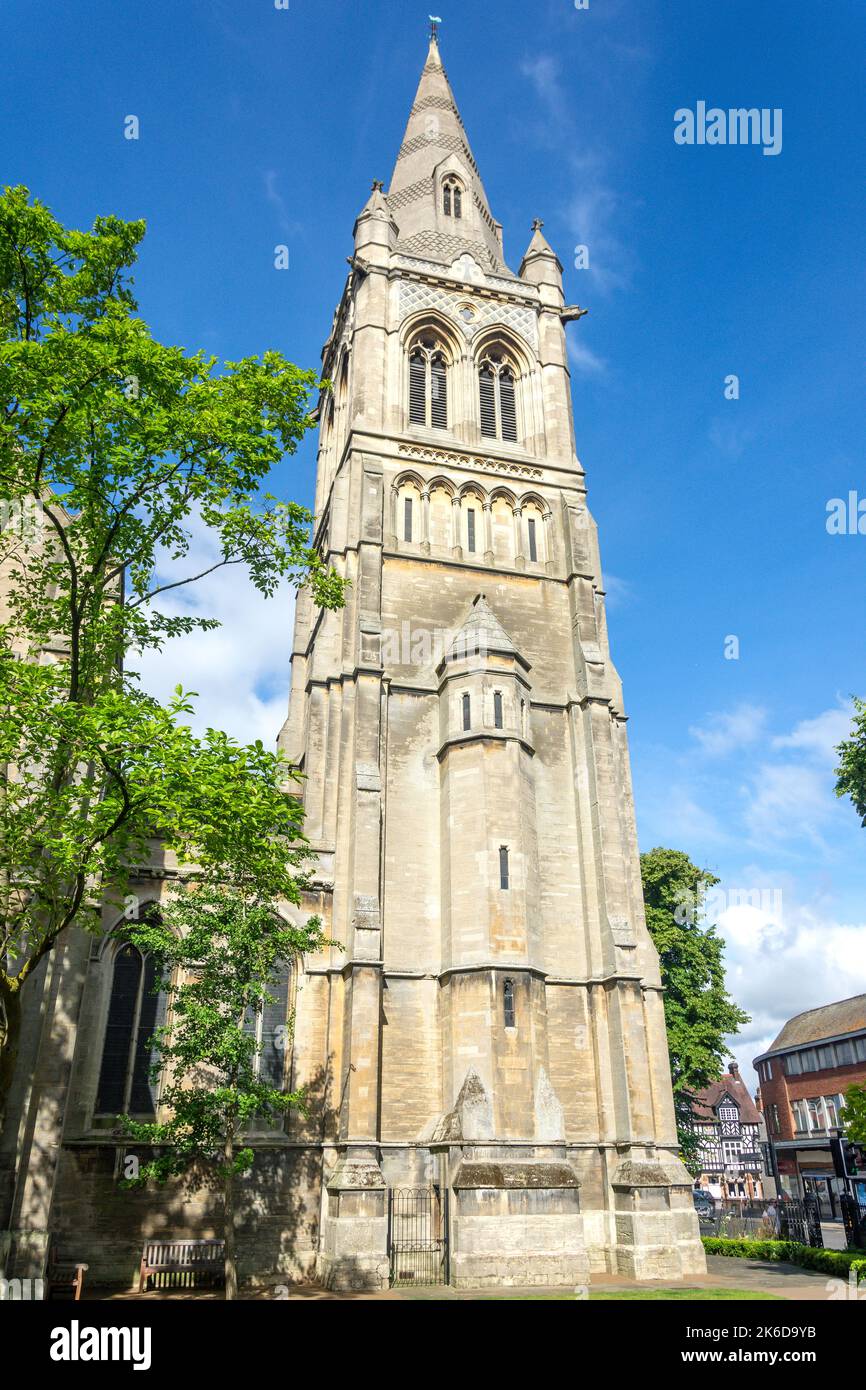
{"x":489,"y":1018}
{"x":107,"y":1225}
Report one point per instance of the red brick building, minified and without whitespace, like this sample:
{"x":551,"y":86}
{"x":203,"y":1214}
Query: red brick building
{"x":803,"y":1078}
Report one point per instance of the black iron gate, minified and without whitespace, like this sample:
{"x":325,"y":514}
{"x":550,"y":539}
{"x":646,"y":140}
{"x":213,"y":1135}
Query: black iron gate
{"x":778,"y":1218}
{"x":801,"y":1221}
{"x":853,"y":1220}
{"x":418,"y":1235}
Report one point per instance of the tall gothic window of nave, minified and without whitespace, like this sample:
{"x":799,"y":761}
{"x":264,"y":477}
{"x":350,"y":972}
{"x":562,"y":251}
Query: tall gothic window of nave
{"x":268,"y":1025}
{"x":134,"y":1013}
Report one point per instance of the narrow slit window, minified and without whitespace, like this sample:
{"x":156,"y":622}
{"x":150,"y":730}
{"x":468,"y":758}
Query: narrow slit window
{"x":508,"y":1003}
{"x":503,"y":866}
{"x":470,"y":529}
{"x":497,"y":709}
{"x":467,"y":712}
{"x":533,"y":542}
{"x":446,"y":200}
{"x":407,"y":519}
{"x":457,"y":202}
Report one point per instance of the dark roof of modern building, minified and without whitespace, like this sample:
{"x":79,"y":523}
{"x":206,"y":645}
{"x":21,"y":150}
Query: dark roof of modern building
{"x":830,"y":1021}
{"x":705,"y":1103}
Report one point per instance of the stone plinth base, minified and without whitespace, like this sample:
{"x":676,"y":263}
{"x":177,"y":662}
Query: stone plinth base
{"x":657,"y":1234}
{"x":516,"y":1223}
{"x":354,"y":1247}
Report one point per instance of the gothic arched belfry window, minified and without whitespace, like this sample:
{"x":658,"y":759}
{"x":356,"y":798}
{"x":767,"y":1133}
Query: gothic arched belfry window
{"x":428,"y":383}
{"x":452,"y":198}
{"x":135,"y":1012}
{"x":497,"y":378}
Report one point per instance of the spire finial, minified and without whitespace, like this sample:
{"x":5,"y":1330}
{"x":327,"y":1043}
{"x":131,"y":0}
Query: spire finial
{"x":537,"y":224}
{"x":435,"y":21}
{"x":377,"y":183}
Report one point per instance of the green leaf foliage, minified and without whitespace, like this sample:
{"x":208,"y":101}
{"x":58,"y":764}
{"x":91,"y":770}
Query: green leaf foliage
{"x":854,"y":1113}
{"x":113,"y":448}
{"x":217,"y":950}
{"x":699,"y":1012}
{"x":851,"y":772}
{"x":218,"y":945}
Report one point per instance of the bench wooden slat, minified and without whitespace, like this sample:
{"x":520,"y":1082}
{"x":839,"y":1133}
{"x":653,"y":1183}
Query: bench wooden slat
{"x":181,"y":1261}
{"x":64,"y":1274}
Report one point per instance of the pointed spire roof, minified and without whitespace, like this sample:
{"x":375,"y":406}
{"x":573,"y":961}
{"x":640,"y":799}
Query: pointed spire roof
{"x":481,"y":633}
{"x":538,"y":244}
{"x":434,"y":143}
{"x":376,"y":205}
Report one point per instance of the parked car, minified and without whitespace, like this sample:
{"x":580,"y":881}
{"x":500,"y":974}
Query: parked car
{"x":705,"y":1204}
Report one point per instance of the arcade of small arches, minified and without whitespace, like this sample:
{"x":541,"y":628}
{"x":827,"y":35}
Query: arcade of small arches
{"x":436,"y":516}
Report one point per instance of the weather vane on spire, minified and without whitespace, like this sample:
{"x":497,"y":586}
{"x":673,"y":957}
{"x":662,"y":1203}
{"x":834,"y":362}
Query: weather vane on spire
{"x":435,"y":21}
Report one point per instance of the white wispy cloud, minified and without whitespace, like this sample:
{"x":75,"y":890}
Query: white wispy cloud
{"x":241,"y":669}
{"x":543,"y":71}
{"x":731,"y":435}
{"x":759,"y":806}
{"x":583,"y":359}
{"x":594,"y":207}
{"x":723,"y":733}
{"x":287,"y":223}
{"x":618,"y":592}
{"x":777,"y":968}
{"x":788,"y":801}
{"x":821,"y":735}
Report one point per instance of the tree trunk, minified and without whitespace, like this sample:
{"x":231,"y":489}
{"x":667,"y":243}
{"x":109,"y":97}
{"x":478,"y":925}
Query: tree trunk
{"x":10,"y":1032}
{"x":231,"y":1269}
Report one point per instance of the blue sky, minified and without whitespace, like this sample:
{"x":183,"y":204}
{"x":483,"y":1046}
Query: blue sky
{"x":262,"y":126}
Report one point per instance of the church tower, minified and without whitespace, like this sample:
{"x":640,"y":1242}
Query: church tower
{"x":489,"y":1022}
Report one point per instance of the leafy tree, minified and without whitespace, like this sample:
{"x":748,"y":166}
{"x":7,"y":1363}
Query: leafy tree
{"x":851,"y":772}
{"x":223,"y":946}
{"x":699,"y":1013}
{"x":854,"y":1114}
{"x":112,"y":446}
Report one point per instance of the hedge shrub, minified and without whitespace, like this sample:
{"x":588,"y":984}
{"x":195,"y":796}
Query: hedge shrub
{"x":833,"y":1262}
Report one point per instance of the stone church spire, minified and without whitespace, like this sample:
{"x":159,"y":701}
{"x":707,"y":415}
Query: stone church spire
{"x":436,"y":193}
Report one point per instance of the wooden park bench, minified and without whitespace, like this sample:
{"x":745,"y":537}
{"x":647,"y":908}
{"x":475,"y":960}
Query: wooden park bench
{"x":65,"y":1278}
{"x":182,"y":1264}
